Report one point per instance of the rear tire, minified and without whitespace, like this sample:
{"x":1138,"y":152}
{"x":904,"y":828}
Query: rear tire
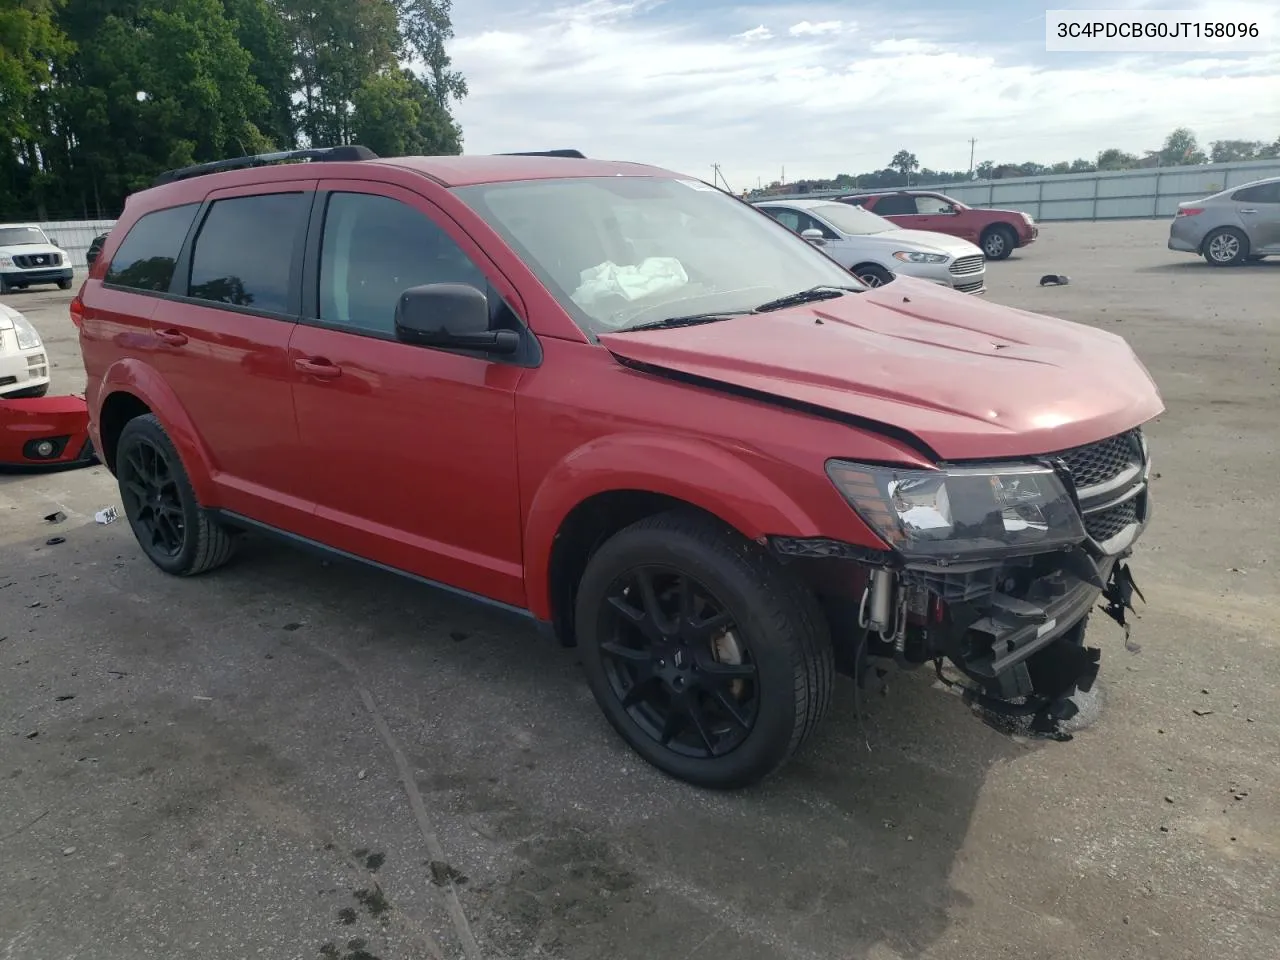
{"x":872,"y":275}
{"x":710,"y":660}
{"x":1226,"y":247}
{"x":175,"y":532}
{"x":64,"y":284}
{"x":998,"y":242}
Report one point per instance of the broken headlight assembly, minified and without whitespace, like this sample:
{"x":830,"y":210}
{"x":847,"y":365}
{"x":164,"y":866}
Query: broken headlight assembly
{"x":962,"y":514}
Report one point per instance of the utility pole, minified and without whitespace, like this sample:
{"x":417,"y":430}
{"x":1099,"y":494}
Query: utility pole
{"x":972,"y":141}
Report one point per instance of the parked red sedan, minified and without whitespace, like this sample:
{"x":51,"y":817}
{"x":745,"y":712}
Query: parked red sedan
{"x":997,"y":232}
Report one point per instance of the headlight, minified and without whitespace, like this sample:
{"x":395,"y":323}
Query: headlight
{"x":1027,"y":217}
{"x":961,"y":513}
{"x":6,"y":261}
{"x":28,"y":338}
{"x":907,"y":256}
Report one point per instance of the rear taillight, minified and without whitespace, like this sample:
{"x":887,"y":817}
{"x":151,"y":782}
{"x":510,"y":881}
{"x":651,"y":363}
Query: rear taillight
{"x":77,"y":310}
{"x":1188,"y":211}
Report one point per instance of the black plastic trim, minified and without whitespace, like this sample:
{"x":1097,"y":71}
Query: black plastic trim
{"x":315,"y":546}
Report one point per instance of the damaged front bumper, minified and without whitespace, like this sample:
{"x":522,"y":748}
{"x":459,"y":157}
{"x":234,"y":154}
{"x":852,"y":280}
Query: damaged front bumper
{"x":44,"y":433}
{"x":1014,"y":626}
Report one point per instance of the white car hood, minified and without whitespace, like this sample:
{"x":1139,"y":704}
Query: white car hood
{"x":917,"y":241}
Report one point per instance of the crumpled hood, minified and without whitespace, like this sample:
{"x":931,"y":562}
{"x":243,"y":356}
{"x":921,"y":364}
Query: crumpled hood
{"x":969,"y":378}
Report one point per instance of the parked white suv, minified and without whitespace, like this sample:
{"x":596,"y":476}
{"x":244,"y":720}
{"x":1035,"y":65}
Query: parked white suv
{"x":24,"y":367}
{"x":28,"y":257}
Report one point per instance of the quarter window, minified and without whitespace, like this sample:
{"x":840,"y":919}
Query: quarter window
{"x":146,"y":257}
{"x":374,"y":248}
{"x":1262,"y":193}
{"x":244,"y":252}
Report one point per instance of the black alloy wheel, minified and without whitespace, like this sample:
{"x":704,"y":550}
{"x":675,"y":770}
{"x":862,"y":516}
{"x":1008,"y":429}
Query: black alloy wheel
{"x":151,"y":500}
{"x":709,"y":658}
{"x":675,"y":661}
{"x":177,"y":534}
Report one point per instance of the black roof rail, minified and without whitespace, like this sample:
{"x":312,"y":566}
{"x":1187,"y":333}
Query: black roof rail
{"x":311,"y":154}
{"x":574,"y":154}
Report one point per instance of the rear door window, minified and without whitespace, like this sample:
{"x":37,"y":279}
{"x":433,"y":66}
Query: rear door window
{"x":932,"y":205}
{"x":896,"y":205}
{"x":146,"y":257}
{"x":1262,"y":193}
{"x":244,"y":252}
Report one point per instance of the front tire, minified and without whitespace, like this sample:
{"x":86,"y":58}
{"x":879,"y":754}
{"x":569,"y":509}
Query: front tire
{"x":175,"y":532}
{"x":707,"y":657}
{"x":998,"y":242}
{"x":64,"y":284}
{"x":872,"y":275}
{"x":1226,"y":247}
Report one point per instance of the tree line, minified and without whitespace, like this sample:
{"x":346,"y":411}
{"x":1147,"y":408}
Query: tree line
{"x":1181,"y":148}
{"x":99,"y":96}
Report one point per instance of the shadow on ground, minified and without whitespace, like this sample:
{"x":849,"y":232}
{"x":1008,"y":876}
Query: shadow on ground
{"x":570,"y":846}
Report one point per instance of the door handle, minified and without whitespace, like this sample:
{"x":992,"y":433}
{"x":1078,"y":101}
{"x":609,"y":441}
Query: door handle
{"x":318,"y":367}
{"x":1250,"y":210}
{"x":174,"y":338}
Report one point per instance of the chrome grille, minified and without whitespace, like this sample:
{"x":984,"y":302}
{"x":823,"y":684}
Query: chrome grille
{"x":963,"y":265}
{"x":1099,"y":462}
{"x":28,"y":260}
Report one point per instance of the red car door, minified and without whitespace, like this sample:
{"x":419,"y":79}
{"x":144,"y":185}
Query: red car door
{"x":409,"y":451}
{"x":222,"y":341}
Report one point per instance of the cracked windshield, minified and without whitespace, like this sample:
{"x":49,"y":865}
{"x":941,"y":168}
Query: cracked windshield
{"x":620,"y":252}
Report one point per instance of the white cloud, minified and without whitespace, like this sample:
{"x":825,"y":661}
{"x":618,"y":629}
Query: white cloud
{"x":755,"y":33}
{"x":909,"y":45}
{"x":806,"y":29}
{"x":620,"y":81}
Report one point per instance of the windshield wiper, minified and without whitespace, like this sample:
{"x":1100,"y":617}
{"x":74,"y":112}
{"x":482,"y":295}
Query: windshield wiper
{"x":690,"y":320}
{"x":805,"y":296}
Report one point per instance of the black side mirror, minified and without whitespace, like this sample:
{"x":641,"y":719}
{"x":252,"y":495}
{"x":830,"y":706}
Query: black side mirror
{"x":450,"y":315}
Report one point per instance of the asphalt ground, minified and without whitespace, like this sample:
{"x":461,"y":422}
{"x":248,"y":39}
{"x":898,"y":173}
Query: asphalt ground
{"x":293,"y":759}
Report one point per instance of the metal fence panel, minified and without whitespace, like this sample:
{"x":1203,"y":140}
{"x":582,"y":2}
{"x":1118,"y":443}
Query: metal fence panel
{"x":1126,"y":194}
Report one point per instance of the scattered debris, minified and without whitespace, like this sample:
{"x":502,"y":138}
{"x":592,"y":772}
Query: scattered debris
{"x":68,"y":851}
{"x":362,"y":774}
{"x":1168,"y":799}
{"x":373,"y":901}
{"x":1054,"y":280}
{"x":65,"y":697}
{"x":346,"y":916}
{"x":54,"y":541}
{"x":1202,"y":713}
{"x":33,"y":734}
{"x":107,"y":515}
{"x":442,"y":874}
{"x":32,"y":606}
{"x":291,"y":627}
{"x":202,"y":698}
{"x":56,"y":517}
{"x":1164,"y":829}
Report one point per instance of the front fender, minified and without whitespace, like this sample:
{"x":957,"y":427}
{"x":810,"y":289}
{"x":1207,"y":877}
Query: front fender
{"x":697,"y":472}
{"x":135,"y":377}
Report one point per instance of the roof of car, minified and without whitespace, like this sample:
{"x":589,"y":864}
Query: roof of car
{"x":800,"y":204}
{"x":28,"y":226}
{"x":465,"y":171}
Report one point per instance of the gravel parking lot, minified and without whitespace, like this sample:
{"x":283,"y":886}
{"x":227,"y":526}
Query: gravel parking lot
{"x":294,"y":759}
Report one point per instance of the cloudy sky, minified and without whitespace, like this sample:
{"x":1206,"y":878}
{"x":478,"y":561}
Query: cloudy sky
{"x":827,"y":87}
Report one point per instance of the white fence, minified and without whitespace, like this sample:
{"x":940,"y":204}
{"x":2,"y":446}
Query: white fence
{"x":74,"y":236}
{"x":1122,"y":195}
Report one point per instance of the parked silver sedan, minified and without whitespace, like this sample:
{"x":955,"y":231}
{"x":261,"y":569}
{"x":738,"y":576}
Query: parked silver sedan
{"x":1231,"y":227}
{"x":874,"y":249}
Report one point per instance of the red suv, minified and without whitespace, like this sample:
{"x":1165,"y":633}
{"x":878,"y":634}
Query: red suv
{"x":631,"y":409}
{"x":997,"y":232}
